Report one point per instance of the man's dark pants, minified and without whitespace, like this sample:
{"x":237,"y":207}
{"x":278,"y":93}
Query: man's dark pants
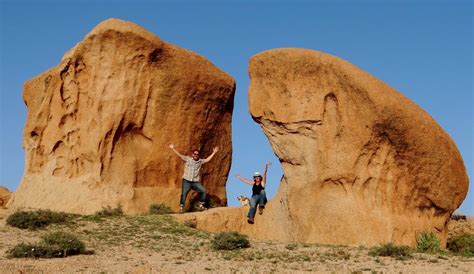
{"x":186,"y":186}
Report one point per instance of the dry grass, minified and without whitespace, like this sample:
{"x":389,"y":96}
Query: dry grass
{"x":155,"y":243}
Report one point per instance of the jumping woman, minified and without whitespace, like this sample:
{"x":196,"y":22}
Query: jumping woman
{"x":259,"y":196}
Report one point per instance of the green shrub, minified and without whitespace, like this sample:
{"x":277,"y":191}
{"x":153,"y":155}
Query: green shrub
{"x":66,"y":242}
{"x":91,"y":218}
{"x":35,"y":219}
{"x":109,"y":211}
{"x":458,"y":217}
{"x":229,"y":241}
{"x":160,"y":209}
{"x":427,"y":242}
{"x":23,"y":250}
{"x":291,"y":246}
{"x":54,"y":244}
{"x":463,"y":244}
{"x":213,"y":203}
{"x":391,"y":250}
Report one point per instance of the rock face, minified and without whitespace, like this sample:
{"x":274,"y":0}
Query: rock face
{"x":5,"y":195}
{"x":99,"y":124}
{"x":362,"y":164}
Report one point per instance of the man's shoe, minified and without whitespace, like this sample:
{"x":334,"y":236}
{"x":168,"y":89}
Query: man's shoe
{"x":260,"y":210}
{"x":202,"y":207}
{"x":181,"y":209}
{"x":250,"y":220}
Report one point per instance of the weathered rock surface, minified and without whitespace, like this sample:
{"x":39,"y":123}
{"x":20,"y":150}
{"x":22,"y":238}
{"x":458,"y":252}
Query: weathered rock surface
{"x":5,"y":195}
{"x":362,"y":163}
{"x":99,"y":124}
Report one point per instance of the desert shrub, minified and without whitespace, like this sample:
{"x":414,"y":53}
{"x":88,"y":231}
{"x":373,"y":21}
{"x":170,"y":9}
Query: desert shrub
{"x":23,"y":250}
{"x":338,"y":253}
{"x":391,"y":250}
{"x":229,"y":241}
{"x":35,"y":219}
{"x":194,"y":203}
{"x":160,"y":209}
{"x":109,"y":211}
{"x":291,"y":246}
{"x":190,"y":223}
{"x":66,"y":242}
{"x":463,"y":244}
{"x":427,"y":242}
{"x":457,"y":217}
{"x":212,"y":203}
{"x":54,"y":244}
{"x":91,"y":218}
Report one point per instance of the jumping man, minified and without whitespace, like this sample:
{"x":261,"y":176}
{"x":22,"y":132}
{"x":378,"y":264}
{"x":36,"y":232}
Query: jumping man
{"x":192,"y":176}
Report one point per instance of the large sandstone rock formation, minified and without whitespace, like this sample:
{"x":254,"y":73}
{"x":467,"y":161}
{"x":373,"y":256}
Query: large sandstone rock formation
{"x":99,"y":124}
{"x":5,"y":195}
{"x":362,"y":164}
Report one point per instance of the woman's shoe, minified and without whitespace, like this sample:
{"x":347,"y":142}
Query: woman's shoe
{"x":260,"y":210}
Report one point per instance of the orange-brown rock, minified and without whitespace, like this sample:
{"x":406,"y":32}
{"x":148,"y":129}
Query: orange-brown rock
{"x":5,"y":195}
{"x":99,"y":124}
{"x":362,"y":163}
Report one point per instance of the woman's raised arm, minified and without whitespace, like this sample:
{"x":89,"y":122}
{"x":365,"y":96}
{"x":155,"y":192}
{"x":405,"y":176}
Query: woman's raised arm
{"x":264,"y":179}
{"x":244,"y":180}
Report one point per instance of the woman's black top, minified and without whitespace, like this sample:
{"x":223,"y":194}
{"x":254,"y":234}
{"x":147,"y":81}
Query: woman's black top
{"x":256,"y":189}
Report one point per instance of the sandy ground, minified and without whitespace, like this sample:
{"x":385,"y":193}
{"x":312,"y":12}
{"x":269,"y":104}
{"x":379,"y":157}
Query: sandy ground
{"x":150,"y":244}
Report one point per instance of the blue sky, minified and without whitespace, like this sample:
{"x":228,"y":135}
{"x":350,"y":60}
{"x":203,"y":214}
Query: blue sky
{"x":423,"y":49}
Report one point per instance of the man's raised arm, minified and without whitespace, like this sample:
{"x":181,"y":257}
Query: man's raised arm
{"x":214,"y":151}
{"x":177,"y":153}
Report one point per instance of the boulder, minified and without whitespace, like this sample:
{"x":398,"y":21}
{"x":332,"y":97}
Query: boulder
{"x":5,"y":195}
{"x":362,"y":164}
{"x":99,"y":124}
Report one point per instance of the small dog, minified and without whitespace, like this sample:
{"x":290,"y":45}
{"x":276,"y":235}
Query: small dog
{"x":243,"y":200}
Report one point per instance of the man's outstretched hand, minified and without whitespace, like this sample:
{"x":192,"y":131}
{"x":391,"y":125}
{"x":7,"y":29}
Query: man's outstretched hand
{"x":215,"y":149}
{"x":172,"y":146}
